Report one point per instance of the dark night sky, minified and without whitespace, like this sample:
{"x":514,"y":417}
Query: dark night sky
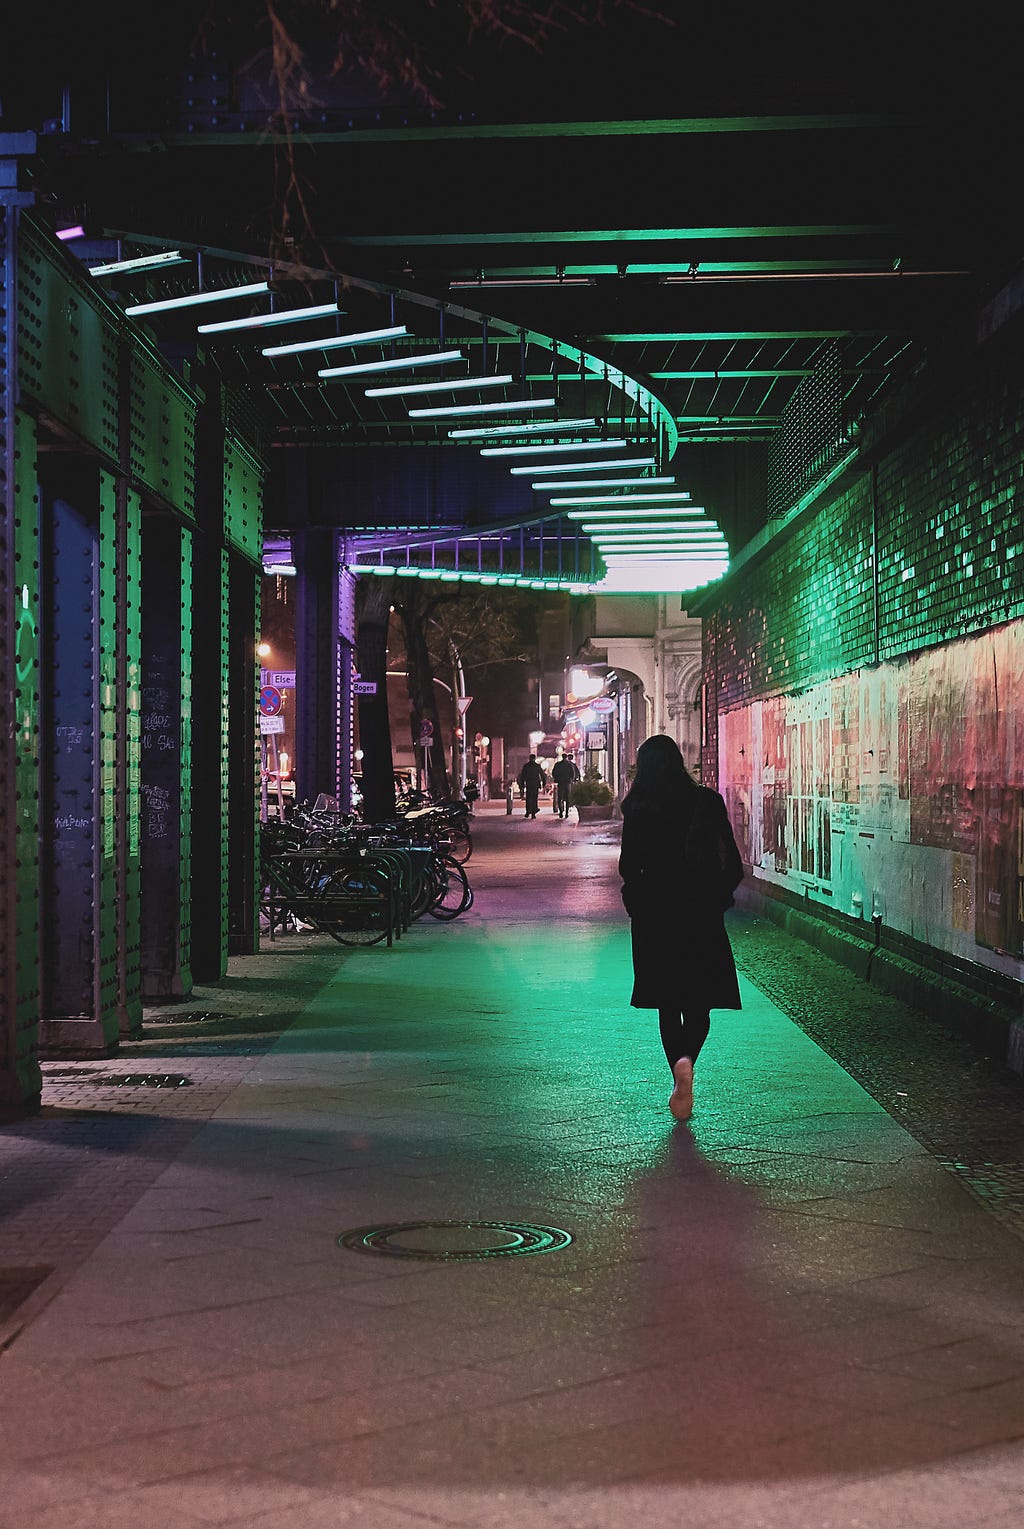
{"x":732,"y":59}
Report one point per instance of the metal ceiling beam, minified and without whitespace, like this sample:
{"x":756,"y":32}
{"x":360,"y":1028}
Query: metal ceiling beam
{"x":420,"y":132}
{"x":616,"y":235}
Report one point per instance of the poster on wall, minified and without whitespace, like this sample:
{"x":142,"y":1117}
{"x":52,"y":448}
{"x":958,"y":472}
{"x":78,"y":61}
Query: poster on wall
{"x":854,"y":781}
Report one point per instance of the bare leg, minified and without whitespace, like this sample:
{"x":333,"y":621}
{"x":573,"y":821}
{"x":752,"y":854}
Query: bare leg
{"x":682,"y":1036}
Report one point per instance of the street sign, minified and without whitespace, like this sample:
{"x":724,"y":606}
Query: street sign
{"x":281,"y":679}
{"x":270,"y":701}
{"x":364,"y":687}
{"x":271,"y":725}
{"x":463,"y":703}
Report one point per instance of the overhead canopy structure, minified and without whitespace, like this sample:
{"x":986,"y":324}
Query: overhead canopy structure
{"x":707,"y":304}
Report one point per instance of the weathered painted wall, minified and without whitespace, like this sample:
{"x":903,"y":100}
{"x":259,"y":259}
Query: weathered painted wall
{"x":896,"y":791}
{"x":864,"y":680}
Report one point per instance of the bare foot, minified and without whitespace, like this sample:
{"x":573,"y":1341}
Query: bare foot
{"x":680,"y":1100}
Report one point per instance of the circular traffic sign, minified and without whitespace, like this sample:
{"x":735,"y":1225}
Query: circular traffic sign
{"x":270,"y":701}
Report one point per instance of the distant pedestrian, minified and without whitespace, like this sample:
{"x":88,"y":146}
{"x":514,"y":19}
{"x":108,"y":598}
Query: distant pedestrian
{"x":563,"y":773}
{"x":679,"y":866}
{"x":530,"y":780}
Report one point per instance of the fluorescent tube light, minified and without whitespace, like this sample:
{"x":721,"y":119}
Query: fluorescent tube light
{"x":522,"y":281}
{"x":655,"y":514}
{"x":621,"y":499}
{"x":485,"y":432}
{"x":538,"y":450}
{"x":643,"y":528}
{"x":666,"y":559}
{"x":253,"y":289}
{"x":513,"y":406}
{"x":400,"y":363}
{"x":64,"y":234}
{"x":659,"y":544}
{"x":334,"y":342}
{"x":548,"y":488}
{"x":142,"y":263}
{"x":616,"y":463}
{"x":264,"y":320}
{"x":438,"y":387}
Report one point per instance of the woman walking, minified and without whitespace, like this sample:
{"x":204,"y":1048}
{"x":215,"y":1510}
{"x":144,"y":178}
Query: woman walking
{"x":679,"y":867}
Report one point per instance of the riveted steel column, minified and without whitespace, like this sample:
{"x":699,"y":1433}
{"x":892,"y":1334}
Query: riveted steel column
{"x":129,"y":757}
{"x":317,"y":663}
{"x":20,"y":1079}
{"x":166,"y":757}
{"x":243,"y":757}
{"x":346,"y":675}
{"x":79,"y":722}
{"x":210,"y":705}
{"x":243,"y":536}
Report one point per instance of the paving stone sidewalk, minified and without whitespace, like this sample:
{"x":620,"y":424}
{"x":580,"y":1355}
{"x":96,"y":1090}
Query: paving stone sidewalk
{"x":785,"y":1313}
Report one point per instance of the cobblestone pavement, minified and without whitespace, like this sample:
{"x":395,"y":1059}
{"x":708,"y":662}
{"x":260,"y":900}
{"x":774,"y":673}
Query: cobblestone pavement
{"x":787,"y":1314}
{"x":965,"y":1107}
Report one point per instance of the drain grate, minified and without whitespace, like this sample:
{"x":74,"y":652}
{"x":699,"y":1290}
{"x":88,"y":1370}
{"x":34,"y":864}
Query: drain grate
{"x":455,"y":1241}
{"x":117,"y":1079}
{"x":145,"y":1080}
{"x":191,"y":1017}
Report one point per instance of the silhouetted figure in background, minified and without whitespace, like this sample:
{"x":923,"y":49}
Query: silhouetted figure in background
{"x":563,"y":773}
{"x":679,"y":866}
{"x":531,"y":778}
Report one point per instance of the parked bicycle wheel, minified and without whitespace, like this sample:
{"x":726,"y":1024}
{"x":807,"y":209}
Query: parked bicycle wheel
{"x":364,"y":921}
{"x":453,"y":895}
{"x":462,"y":844}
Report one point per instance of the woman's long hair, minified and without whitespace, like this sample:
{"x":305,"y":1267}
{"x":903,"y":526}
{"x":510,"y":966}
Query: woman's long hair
{"x":662,"y":779}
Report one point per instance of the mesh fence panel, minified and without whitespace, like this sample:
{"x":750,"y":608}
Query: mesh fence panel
{"x":810,"y":435}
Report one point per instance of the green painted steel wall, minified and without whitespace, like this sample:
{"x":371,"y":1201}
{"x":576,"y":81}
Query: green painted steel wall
{"x":162,"y":439}
{"x":186,"y":761}
{"x":92,"y":378}
{"x":243,"y":500}
{"x":130,"y":758}
{"x":19,"y":717}
{"x":106,"y":883}
{"x":67,"y":347}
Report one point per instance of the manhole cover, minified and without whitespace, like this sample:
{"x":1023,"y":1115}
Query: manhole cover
{"x":455,"y":1241}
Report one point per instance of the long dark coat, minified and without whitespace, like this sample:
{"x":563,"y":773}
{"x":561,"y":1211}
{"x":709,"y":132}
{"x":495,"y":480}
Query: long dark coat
{"x":679,"y":869}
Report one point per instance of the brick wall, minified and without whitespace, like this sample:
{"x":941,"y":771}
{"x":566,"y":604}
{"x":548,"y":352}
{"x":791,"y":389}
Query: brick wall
{"x":865,"y":715}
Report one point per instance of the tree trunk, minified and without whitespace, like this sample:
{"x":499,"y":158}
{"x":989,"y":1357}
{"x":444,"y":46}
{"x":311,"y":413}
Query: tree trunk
{"x":415,"y":612}
{"x":378,"y":779}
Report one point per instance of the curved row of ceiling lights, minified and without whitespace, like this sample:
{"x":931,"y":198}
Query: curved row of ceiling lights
{"x":648,"y":534}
